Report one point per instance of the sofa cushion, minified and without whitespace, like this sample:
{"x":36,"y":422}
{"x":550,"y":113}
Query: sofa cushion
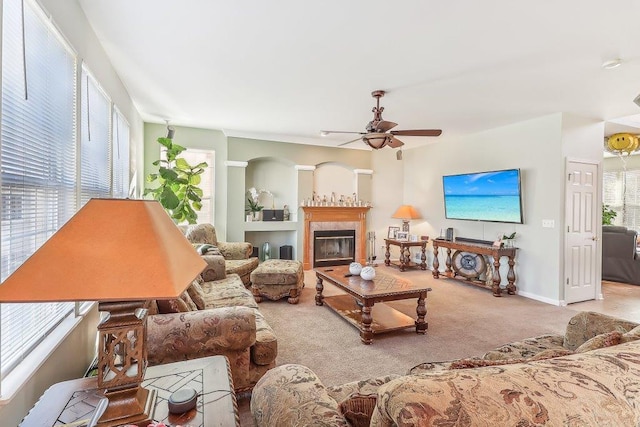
{"x":177,"y":305}
{"x":364,"y":387}
{"x":197,"y":294}
{"x":227,"y":292}
{"x":265,"y":350}
{"x":358,"y":409}
{"x":587,"y":324}
{"x":241,"y":267}
{"x":526,"y":348}
{"x":600,"y":341}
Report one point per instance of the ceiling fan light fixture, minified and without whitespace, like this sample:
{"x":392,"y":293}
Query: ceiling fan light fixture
{"x":376,"y":140}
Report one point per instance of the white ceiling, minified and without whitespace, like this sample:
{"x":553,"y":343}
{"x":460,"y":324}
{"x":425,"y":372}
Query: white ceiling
{"x":285,"y":69}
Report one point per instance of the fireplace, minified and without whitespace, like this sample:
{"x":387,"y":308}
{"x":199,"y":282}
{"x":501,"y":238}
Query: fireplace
{"x":333,"y":247}
{"x":325,"y":218}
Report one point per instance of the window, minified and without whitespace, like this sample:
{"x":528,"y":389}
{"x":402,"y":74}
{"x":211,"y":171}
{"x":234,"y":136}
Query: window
{"x":95,"y":127}
{"x":48,"y":166}
{"x":120,"y":155}
{"x":621,"y":191}
{"x":38,"y":163}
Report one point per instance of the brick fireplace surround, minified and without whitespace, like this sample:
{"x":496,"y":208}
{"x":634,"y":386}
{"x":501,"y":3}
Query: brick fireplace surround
{"x":334,"y":218}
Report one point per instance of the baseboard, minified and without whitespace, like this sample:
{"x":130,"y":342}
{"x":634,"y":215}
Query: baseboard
{"x":540,"y":298}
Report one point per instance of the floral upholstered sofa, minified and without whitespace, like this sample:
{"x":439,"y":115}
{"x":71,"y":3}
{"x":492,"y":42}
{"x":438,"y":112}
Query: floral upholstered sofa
{"x":593,"y":380}
{"x":214,"y":317}
{"x":237,"y":255}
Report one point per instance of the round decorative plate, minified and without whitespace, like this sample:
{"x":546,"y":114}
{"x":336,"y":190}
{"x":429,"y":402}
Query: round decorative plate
{"x":468,"y":265}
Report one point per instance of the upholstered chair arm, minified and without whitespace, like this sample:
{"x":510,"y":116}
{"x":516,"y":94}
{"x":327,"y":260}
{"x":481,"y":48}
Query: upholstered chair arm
{"x":235,"y":250}
{"x":215,"y":269}
{"x":174,"y":337}
{"x":289,"y":395}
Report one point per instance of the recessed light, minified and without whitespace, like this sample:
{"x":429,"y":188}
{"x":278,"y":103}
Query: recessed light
{"x":610,"y":65}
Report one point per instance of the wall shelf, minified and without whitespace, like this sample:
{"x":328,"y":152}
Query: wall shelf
{"x":271,"y":226}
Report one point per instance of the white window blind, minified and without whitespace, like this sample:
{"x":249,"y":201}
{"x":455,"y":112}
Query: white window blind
{"x":207,"y":183}
{"x":38,"y":163}
{"x":120,"y":155}
{"x":621,"y":191}
{"x":95,"y":118}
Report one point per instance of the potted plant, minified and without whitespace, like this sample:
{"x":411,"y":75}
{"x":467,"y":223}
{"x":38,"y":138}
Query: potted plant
{"x":608,"y":215}
{"x":178,"y":190}
{"x":253,"y":208}
{"x":508,"y":240}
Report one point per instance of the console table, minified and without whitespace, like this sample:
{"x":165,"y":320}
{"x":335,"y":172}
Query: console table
{"x":69,"y":402}
{"x":462,"y":247}
{"x":405,"y":255}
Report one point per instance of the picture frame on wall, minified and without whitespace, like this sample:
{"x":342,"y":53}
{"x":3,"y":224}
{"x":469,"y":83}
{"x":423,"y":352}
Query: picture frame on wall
{"x":392,"y":232}
{"x":402,"y":235}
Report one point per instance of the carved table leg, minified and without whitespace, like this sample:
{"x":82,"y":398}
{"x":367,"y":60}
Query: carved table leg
{"x":403,"y":258}
{"x":436,"y":263}
{"x":496,"y":277}
{"x":387,"y":256}
{"x":366,"y":334}
{"x":511,"y":277}
{"x":423,"y":258}
{"x":319,"y":288}
{"x":421,"y":310}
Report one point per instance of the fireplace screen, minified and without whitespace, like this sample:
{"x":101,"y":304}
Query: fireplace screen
{"x":333,"y":247}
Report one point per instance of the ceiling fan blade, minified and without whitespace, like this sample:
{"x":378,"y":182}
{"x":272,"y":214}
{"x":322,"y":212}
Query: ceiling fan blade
{"x":384,"y":126}
{"x":349,"y":142}
{"x":418,"y":132}
{"x":327,"y":132}
{"x":395,"y":143}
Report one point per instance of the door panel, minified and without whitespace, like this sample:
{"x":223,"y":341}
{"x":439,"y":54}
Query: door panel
{"x":581,"y":239}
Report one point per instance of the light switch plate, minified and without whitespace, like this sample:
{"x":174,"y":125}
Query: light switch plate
{"x":548,"y":223}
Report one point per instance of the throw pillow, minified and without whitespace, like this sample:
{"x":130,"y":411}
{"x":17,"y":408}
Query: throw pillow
{"x":632,"y":335}
{"x":600,"y":341}
{"x":171,"y":306}
{"x":358,"y":409}
{"x":197,"y":294}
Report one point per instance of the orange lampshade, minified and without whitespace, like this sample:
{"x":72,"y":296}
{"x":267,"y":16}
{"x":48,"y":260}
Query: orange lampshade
{"x":406,"y":212}
{"x":111,"y":249}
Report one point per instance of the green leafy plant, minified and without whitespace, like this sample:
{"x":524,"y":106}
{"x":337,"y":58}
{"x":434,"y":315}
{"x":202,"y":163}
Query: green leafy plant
{"x":252,"y":206}
{"x":608,"y":215}
{"x":178,"y":190}
{"x":509,"y":237}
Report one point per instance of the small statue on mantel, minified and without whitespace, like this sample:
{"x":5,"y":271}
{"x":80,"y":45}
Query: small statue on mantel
{"x":333,"y":198}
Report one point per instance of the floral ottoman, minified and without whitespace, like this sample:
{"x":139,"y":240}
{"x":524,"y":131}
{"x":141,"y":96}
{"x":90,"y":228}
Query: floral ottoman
{"x":278,"y":278}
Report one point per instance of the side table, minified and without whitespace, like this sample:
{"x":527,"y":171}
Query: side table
{"x":405,"y":255}
{"x":71,"y":401}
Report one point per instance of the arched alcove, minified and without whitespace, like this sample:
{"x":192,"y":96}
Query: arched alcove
{"x":277,"y":177}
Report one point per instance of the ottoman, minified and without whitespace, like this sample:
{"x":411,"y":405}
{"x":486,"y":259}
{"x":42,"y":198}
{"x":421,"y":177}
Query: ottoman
{"x":278,"y":278}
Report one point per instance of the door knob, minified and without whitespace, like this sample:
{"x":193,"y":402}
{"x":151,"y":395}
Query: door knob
{"x":595,"y":238}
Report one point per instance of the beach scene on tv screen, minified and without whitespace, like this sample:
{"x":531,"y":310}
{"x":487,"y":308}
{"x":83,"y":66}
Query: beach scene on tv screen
{"x":485,"y":196}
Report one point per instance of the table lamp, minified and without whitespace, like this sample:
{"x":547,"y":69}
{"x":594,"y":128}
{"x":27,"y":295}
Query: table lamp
{"x":406,"y":213}
{"x":120,"y":253}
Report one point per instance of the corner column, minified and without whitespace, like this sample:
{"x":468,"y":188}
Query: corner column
{"x":235,"y":201}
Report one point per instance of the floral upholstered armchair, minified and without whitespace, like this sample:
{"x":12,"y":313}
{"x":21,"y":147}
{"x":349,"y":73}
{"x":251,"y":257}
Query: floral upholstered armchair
{"x":237,"y":255}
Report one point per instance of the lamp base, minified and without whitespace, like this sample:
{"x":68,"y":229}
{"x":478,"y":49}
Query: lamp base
{"x":134,"y":406}
{"x":405,"y":225}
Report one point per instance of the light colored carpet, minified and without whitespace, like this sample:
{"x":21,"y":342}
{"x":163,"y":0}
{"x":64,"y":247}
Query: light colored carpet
{"x":464,"y":321}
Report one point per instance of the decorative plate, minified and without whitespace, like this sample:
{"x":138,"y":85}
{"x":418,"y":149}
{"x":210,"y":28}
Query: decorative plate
{"x":468,"y":265}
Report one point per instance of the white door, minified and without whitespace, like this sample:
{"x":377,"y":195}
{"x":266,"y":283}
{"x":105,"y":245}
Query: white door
{"x":581,"y":238}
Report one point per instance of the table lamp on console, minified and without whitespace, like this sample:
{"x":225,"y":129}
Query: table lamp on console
{"x":406,"y":213}
{"x":120,"y":253}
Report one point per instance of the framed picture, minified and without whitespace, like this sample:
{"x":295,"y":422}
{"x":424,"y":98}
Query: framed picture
{"x":402,"y":235}
{"x":392,"y":233}
{"x":413,"y":237}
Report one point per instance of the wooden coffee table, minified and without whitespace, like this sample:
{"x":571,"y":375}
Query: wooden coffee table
{"x":69,"y":402}
{"x":358,"y":306}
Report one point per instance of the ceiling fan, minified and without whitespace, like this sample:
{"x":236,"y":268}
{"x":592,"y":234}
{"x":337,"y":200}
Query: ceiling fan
{"x":378,"y":132}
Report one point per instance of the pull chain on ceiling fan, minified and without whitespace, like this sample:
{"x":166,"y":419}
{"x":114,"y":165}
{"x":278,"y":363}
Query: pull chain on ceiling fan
{"x":378,"y":131}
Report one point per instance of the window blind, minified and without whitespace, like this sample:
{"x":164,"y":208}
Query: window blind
{"x":38,"y":163}
{"x":621,"y":192}
{"x":120,"y":155}
{"x":95,"y":127}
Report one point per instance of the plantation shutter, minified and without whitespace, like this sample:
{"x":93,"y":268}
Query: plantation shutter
{"x":38,"y":163}
{"x":95,"y":168}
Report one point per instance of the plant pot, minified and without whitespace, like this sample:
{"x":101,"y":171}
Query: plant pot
{"x":256,"y":215}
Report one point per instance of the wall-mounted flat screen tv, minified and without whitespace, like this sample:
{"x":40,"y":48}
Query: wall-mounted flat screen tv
{"x":493,"y":196}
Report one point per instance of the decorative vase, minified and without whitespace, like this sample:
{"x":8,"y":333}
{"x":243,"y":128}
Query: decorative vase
{"x":355,"y":268}
{"x":256,"y":215}
{"x":368,"y":273}
{"x":266,"y":251}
